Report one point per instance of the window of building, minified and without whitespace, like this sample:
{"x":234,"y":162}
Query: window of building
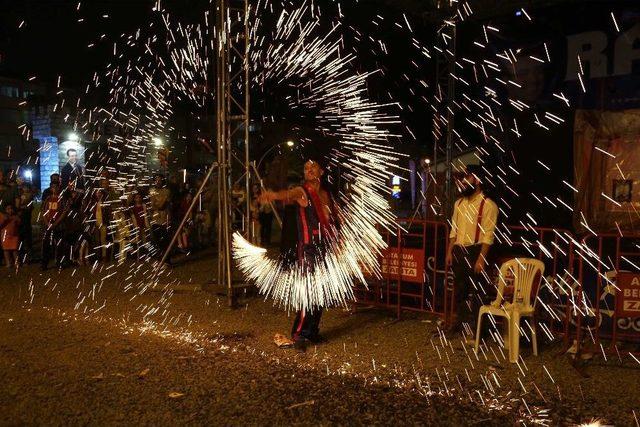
{"x":9,"y":91}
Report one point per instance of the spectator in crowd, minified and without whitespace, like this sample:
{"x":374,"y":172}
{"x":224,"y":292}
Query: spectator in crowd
{"x":71,"y":226}
{"x":9,"y":235}
{"x":50,"y":215}
{"x":203,"y":227}
{"x":140,"y":221}
{"x":160,"y":200}
{"x":73,"y":171}
{"x":183,"y":238}
{"x":25,"y":211}
{"x":122,"y":234}
{"x":110,"y":194}
{"x":54,"y":179}
{"x":101,"y":214}
{"x":8,"y":190}
{"x":472,"y":234}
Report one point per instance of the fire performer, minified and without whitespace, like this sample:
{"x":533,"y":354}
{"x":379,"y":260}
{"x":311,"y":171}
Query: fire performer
{"x":472,"y":233}
{"x":315,"y":224}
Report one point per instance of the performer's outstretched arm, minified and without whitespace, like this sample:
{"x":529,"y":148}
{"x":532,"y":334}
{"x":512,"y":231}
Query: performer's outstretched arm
{"x":296,"y":194}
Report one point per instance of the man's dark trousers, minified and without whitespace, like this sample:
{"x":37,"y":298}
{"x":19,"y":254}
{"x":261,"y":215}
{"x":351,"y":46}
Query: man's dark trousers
{"x":462,"y":264}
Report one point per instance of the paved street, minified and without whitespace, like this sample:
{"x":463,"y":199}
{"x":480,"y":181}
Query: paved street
{"x":78,"y":348}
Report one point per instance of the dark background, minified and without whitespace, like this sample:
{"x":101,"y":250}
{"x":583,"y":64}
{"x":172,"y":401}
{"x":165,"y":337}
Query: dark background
{"x":52,"y":42}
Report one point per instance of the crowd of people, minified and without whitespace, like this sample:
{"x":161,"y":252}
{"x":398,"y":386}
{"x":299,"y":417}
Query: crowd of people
{"x":16,"y":208}
{"x":80,"y":220}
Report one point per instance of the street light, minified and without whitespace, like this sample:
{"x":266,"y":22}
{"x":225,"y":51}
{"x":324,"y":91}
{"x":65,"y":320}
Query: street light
{"x":73,"y":137}
{"x":157,"y":142}
{"x":289,"y":144}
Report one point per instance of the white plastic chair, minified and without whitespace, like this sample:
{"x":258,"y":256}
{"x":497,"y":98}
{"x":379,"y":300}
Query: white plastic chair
{"x":524,"y":271}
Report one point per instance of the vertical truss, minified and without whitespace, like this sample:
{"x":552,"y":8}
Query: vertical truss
{"x":232,"y":115}
{"x":444,"y":119}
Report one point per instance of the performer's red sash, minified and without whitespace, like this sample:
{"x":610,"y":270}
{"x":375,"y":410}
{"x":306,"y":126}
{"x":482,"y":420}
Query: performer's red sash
{"x":317,"y":205}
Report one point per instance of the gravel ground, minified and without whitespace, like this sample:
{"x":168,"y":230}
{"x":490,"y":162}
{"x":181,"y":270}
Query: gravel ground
{"x":89,"y":347}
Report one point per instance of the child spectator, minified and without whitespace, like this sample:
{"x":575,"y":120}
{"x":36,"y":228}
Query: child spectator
{"x":9,"y":225}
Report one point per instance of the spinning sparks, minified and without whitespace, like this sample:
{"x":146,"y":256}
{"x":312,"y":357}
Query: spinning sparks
{"x":329,"y":284}
{"x":301,"y":55}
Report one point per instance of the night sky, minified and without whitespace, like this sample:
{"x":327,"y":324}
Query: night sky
{"x":53,"y":42}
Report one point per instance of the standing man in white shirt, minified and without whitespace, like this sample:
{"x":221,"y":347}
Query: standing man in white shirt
{"x":472,"y":233}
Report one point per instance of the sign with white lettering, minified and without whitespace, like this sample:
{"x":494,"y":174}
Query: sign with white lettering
{"x":406,"y":263}
{"x":628,"y":297}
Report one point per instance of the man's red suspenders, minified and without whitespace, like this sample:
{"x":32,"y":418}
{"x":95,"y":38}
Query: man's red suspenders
{"x":480,"y":209}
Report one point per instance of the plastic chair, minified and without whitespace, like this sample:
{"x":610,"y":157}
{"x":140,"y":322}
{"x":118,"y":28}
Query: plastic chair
{"x":527,"y":273}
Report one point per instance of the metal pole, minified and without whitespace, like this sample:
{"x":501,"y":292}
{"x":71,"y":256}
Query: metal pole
{"x":224,"y":263}
{"x":247,"y":165}
{"x":451,"y":93}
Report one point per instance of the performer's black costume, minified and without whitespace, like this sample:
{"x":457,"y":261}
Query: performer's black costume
{"x":314,"y":227}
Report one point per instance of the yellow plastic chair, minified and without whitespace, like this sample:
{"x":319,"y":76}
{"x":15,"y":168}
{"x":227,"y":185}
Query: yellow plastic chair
{"x":526,"y":273}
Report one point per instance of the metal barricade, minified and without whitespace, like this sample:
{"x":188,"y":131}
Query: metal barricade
{"x":397,"y":289}
{"x":601,"y":258}
{"x":434,"y":294}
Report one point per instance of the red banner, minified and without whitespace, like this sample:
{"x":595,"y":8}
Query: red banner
{"x":408,"y":263}
{"x":628,"y":297}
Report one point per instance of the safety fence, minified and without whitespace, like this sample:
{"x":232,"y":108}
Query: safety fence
{"x":413,"y":271}
{"x":580,"y":295}
{"x":609,"y":298}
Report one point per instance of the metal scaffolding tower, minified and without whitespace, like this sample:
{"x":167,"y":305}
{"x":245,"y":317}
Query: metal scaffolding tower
{"x":232,"y":116}
{"x":443,"y":125}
